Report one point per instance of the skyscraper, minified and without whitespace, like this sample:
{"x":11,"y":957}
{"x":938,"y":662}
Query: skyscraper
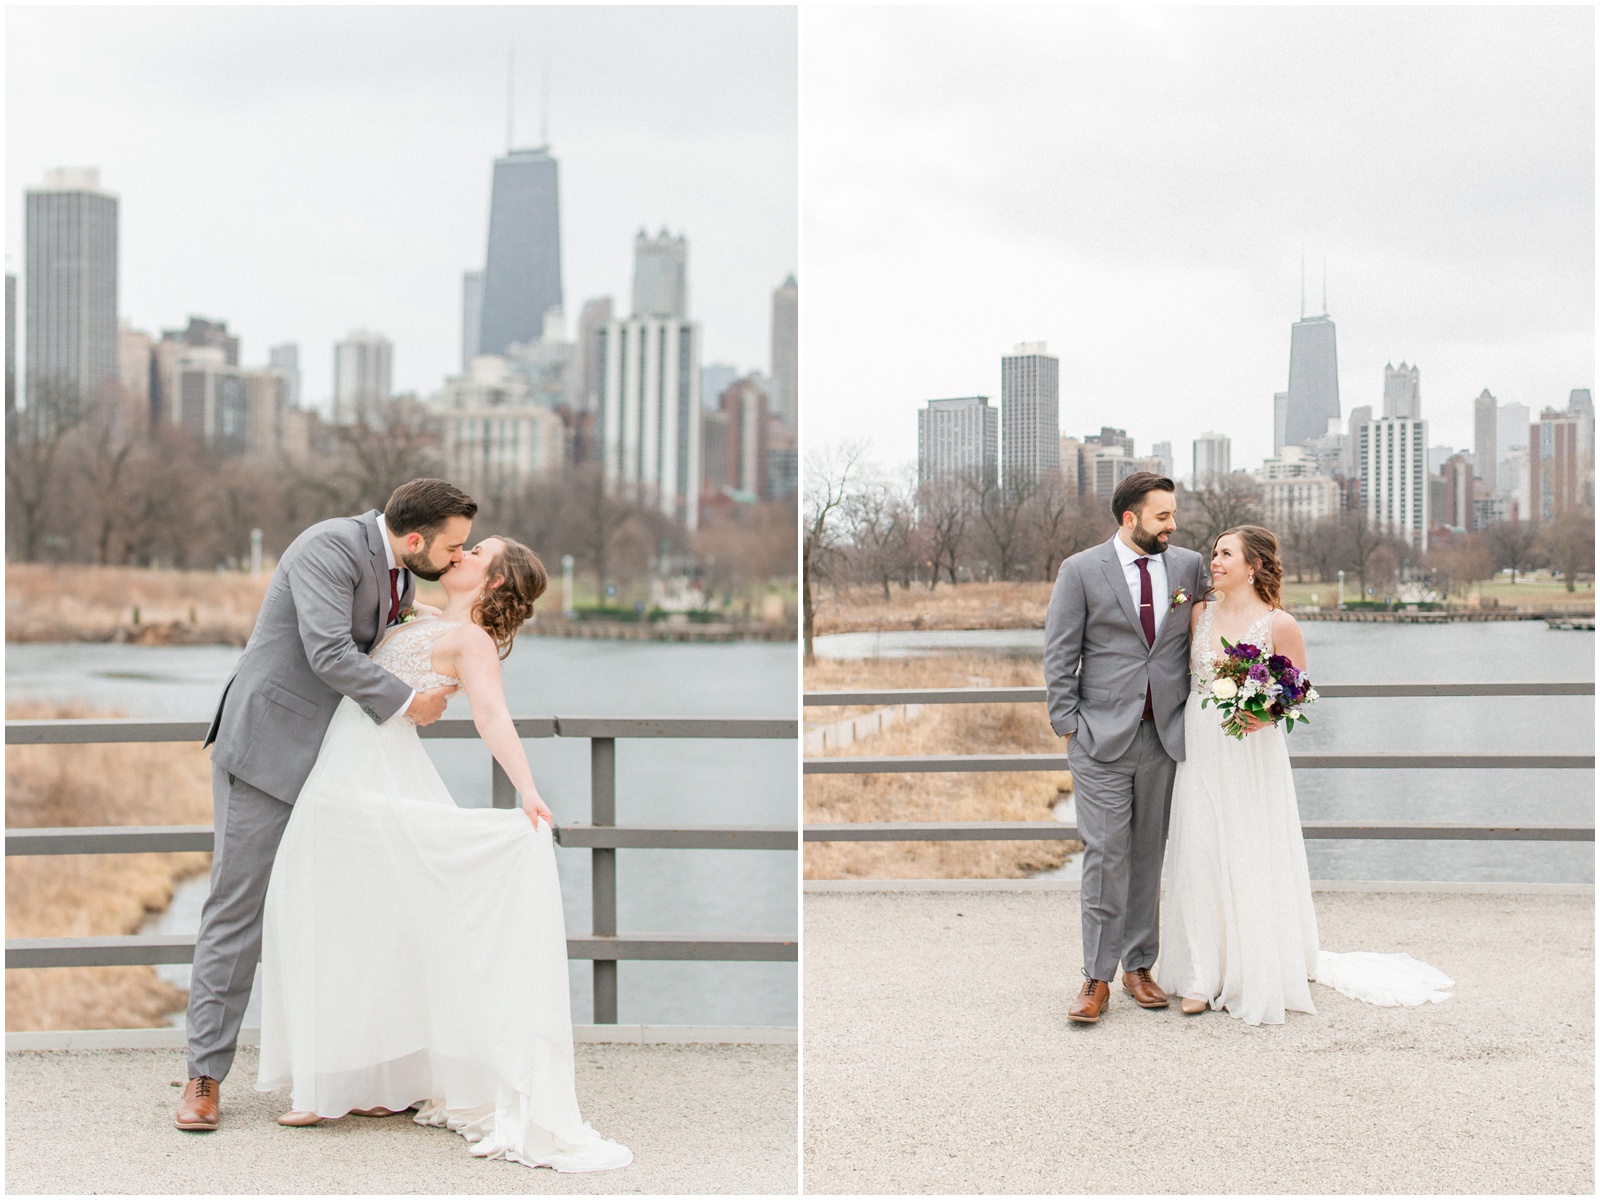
{"x":286,"y":358}
{"x":362,"y":366}
{"x":650,"y":413}
{"x":1313,"y":396}
{"x":959,"y":439}
{"x":11,"y":358}
{"x":522,"y":272}
{"x":1394,"y":476}
{"x":1555,"y":480}
{"x":584,"y":379}
{"x":1402,"y":391}
{"x":1485,"y":427}
{"x":1352,"y":443}
{"x":471,"y":316}
{"x":1213,"y":454}
{"x":1030,"y":433}
{"x":660,"y":275}
{"x":786,"y":351}
{"x":1280,"y":420}
{"x":1163,"y":451}
{"x":71,"y":302}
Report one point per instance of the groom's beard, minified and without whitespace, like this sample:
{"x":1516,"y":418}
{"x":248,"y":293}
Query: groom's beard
{"x":419,"y":566}
{"x":1150,"y":543}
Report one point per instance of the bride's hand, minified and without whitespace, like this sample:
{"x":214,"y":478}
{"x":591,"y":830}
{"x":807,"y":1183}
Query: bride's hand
{"x":537,"y":812}
{"x":1253,"y":723}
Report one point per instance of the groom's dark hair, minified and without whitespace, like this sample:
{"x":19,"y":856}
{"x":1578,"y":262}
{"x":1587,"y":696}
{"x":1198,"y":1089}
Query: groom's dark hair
{"x":424,"y":505}
{"x":1130,"y":493}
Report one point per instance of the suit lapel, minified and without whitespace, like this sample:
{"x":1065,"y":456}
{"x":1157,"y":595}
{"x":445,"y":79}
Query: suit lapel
{"x":1174,"y":616}
{"x":380,"y":571}
{"x":1112,"y":565}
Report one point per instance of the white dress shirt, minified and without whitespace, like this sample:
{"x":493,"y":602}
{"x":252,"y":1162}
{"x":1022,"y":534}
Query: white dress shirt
{"x":388,"y":554}
{"x":1160,"y":596}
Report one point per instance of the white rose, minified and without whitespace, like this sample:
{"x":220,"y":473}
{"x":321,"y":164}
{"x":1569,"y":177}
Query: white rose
{"x":1224,"y":689}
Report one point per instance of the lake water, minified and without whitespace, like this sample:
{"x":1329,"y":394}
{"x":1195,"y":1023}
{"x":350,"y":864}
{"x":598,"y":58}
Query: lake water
{"x":659,"y":781}
{"x":1340,"y":652}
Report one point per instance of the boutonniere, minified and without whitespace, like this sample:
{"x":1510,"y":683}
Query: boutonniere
{"x":406,"y":614}
{"x":1179,"y":597}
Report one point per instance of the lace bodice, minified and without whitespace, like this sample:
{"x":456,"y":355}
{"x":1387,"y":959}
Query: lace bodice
{"x":1204,"y":648}
{"x":408,"y":653}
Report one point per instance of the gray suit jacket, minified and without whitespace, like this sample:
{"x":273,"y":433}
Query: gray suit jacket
{"x":325,"y":608}
{"x":1096,"y":663}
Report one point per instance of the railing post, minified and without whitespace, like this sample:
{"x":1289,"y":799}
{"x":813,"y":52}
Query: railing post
{"x":502,"y":794}
{"x":603,"y":872}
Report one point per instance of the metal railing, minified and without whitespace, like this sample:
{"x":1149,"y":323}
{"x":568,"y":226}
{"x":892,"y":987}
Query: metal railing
{"x":603,"y":837}
{"x":864,"y":831}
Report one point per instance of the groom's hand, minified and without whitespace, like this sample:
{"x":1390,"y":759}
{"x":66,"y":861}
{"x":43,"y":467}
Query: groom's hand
{"x":428,"y":706}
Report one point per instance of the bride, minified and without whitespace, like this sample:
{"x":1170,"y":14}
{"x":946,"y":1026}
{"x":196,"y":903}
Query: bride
{"x":1238,"y":930}
{"x":415,"y":952}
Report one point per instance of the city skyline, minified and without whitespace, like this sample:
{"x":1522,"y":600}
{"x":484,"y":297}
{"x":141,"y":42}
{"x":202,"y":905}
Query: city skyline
{"x":379,"y":239}
{"x":1156,"y":211}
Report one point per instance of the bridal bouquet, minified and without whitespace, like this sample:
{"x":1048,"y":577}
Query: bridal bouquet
{"x":1267,"y":687}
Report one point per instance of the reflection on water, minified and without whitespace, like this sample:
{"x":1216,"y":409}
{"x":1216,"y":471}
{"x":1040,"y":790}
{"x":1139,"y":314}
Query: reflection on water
{"x":1339,"y":652}
{"x":659,"y":781}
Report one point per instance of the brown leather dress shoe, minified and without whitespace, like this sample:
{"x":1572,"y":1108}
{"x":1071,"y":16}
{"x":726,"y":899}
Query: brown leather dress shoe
{"x":1096,"y":994}
{"x":1143,"y":989}
{"x":198,"y":1108}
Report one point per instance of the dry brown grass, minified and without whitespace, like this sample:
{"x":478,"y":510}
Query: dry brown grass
{"x":939,"y":729}
{"x":95,"y":604}
{"x":965,"y":606}
{"x":82,"y":895}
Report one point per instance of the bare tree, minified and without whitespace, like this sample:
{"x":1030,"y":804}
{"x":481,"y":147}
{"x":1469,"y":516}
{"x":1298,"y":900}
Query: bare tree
{"x":1568,"y":542}
{"x":945,"y":510}
{"x":1002,"y":520}
{"x":828,"y":478}
{"x":1459,"y":561}
{"x":881,"y":518}
{"x":1205,"y":513}
{"x":36,"y":488}
{"x":1359,"y":542}
{"x":1514,"y":545}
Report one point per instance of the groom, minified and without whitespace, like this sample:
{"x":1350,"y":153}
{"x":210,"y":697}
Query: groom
{"x":1116,"y":671}
{"x":338,"y":586}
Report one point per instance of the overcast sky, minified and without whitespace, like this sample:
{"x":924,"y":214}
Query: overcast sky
{"x":1135,"y":187}
{"x":305,"y":171}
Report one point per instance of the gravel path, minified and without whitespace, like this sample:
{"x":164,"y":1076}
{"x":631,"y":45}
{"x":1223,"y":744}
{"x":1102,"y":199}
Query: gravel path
{"x":938,"y":1057}
{"x":699,"y":1119}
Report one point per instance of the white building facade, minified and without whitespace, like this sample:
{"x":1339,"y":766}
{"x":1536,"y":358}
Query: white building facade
{"x":650,"y":413}
{"x":958,"y":439}
{"x":362,"y":368}
{"x":1213,"y":459}
{"x":1394,"y":476}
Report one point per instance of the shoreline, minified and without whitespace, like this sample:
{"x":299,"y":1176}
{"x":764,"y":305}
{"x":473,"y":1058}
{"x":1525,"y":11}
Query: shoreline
{"x":180,"y":633}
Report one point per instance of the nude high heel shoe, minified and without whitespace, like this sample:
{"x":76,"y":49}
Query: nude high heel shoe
{"x":1191,"y":1006}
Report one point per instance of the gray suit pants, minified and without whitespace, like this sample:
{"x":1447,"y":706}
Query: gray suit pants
{"x":249,"y":825}
{"x":1122,"y":811}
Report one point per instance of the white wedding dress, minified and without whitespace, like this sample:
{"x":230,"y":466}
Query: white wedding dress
{"x":1238,"y":928}
{"x":415,"y":952}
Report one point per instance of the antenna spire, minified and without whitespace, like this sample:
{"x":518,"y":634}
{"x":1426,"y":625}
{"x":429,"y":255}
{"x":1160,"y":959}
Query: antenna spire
{"x":511,"y":74}
{"x":1324,"y":287}
{"x":544,"y":107}
{"x":1302,"y":285}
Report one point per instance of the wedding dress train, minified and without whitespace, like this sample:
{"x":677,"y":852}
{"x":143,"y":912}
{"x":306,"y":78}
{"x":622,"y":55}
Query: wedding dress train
{"x":1238,"y":928}
{"x":415,"y":952}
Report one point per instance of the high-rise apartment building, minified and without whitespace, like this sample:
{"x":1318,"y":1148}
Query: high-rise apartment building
{"x":660,"y":276}
{"x":200,"y":333}
{"x":71,"y":302}
{"x":785,"y":366}
{"x":135,"y":354}
{"x":1460,"y":490}
{"x":958,"y":440}
{"x":583,"y":381}
{"x":1213,"y":455}
{"x":650,"y":413}
{"x":1394,"y":476}
{"x":209,"y":398}
{"x":1485,"y":428}
{"x":1555,"y":476}
{"x":1169,"y":465}
{"x":1402,"y":391}
{"x":1351,"y":460}
{"x":744,"y":405}
{"x":471,"y":316}
{"x":362,"y":368}
{"x":1030,"y":424}
{"x":285,"y":359}
{"x":1313,"y":396}
{"x":11,"y":359}
{"x":522,"y":271}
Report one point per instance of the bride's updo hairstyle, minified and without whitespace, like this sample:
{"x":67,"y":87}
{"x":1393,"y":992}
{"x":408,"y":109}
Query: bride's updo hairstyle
{"x":1261,"y":553}
{"x":515,"y":579}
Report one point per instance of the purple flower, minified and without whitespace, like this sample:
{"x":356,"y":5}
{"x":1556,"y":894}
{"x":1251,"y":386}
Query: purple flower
{"x":1280,"y":664}
{"x":1244,"y":650}
{"x":1260,"y":673}
{"x":1276,"y":710}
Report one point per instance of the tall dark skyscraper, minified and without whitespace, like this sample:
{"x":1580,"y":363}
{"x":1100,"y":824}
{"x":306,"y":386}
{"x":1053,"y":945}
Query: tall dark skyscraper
{"x":71,"y":302}
{"x":1313,"y":396}
{"x":522,"y":275}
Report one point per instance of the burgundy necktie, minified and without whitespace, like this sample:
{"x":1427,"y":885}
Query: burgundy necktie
{"x":394,"y":593}
{"x":1147,"y":617}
